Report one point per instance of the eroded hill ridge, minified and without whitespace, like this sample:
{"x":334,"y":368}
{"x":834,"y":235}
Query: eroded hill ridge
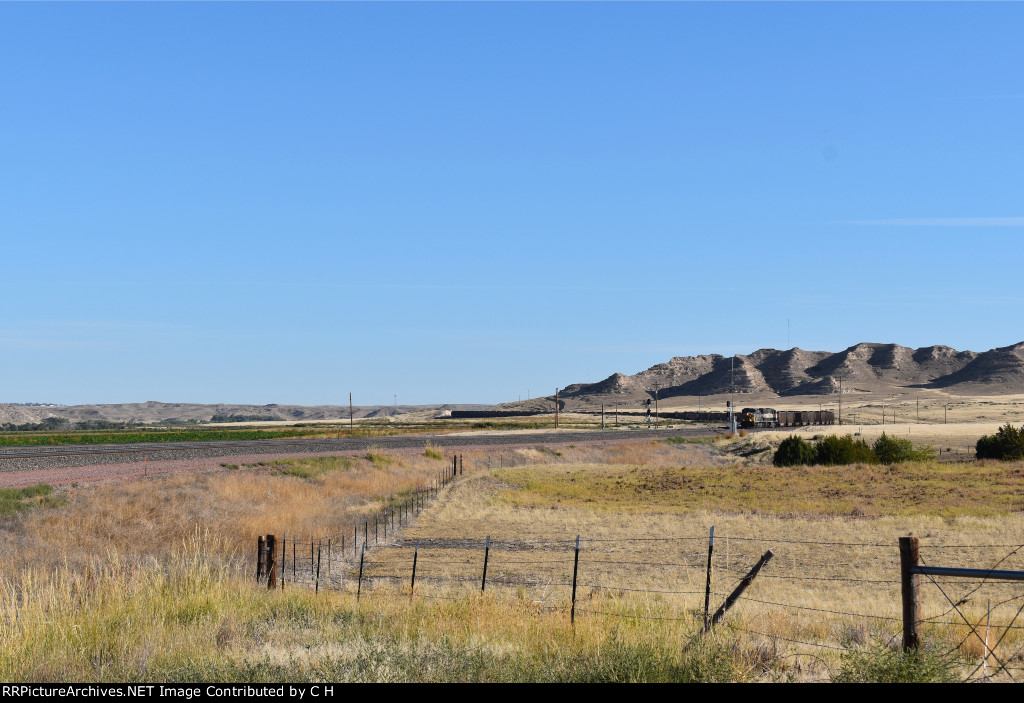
{"x":864,"y":367}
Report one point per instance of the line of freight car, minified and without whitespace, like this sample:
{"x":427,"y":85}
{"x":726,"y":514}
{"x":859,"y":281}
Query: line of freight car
{"x":770,"y":417}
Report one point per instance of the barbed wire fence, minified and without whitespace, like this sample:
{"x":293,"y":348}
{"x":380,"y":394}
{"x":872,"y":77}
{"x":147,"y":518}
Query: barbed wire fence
{"x":618,"y":578}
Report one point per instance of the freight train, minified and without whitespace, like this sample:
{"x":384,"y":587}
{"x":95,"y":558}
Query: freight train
{"x":770,"y":417}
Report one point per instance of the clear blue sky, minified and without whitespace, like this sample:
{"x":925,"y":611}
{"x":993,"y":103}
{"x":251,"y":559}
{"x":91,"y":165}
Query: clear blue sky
{"x":459,"y":202}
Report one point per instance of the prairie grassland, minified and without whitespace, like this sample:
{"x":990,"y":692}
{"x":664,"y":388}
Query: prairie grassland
{"x":145,"y":519}
{"x":151,"y":580}
{"x":834,"y":580}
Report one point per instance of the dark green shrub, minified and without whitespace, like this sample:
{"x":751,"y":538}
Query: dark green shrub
{"x":1006,"y":444}
{"x":793,"y":452}
{"x":834,"y":450}
{"x":893,"y":450}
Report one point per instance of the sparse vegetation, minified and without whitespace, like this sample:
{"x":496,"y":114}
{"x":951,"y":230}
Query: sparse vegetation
{"x":167,"y":602}
{"x":16,"y":500}
{"x":884,"y":665}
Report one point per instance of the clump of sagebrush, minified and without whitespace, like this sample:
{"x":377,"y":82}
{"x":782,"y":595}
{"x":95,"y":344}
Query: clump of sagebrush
{"x":432,"y":452}
{"x":15,"y":500}
{"x":882,"y":665}
{"x":1007,"y":444}
{"x":833,"y":450}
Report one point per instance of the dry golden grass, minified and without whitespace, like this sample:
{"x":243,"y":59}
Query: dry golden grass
{"x":144,"y":519}
{"x":119,"y":584}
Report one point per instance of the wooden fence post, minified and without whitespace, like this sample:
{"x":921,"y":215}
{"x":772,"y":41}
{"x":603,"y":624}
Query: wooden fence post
{"x":575,"y":570}
{"x":271,"y":561}
{"x":259,"y":558}
{"x":910,"y":590}
{"x":284,"y":558}
{"x":738,"y":591}
{"x":487,"y":552}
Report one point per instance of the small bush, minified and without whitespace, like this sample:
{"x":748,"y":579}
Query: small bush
{"x":432,"y":452}
{"x":894,"y":450}
{"x":793,"y":452}
{"x":379,"y":460}
{"x":834,"y":450}
{"x":881,"y":665}
{"x":1007,"y":444}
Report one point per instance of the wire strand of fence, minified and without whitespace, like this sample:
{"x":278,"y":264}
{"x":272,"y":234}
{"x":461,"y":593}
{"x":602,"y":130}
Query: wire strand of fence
{"x":1000,"y":641}
{"x":789,"y":639}
{"x":819,"y":610}
{"x":631,"y":616}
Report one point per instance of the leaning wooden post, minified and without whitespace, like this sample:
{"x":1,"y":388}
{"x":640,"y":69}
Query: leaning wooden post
{"x":415,"y":556}
{"x":359,"y":586}
{"x":707,"y":585}
{"x":738,"y":591}
{"x":487,"y":552}
{"x":462,"y":469}
{"x":284,"y":558}
{"x":259,"y":558}
{"x":271,"y":561}
{"x":312,"y":558}
{"x":575,"y":570}
{"x":910,"y":589}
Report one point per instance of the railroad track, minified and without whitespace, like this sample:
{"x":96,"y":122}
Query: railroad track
{"x":17,"y":458}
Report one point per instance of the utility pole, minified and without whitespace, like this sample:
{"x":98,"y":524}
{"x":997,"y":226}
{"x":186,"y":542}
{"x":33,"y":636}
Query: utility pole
{"x":657,"y":416}
{"x":556,"y":408}
{"x":840,"y":400}
{"x":919,"y":410}
{"x":350,"y":409}
{"x":883,"y":408}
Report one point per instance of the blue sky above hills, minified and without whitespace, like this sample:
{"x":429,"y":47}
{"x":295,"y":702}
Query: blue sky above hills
{"x":460,"y":202}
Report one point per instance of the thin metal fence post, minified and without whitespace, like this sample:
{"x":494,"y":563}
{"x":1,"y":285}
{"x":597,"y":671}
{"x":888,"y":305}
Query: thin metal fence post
{"x":707,"y":586}
{"x":575,"y":570}
{"x":487,"y":553}
{"x":415,"y":556}
{"x":359,"y":586}
{"x":319,"y":549}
